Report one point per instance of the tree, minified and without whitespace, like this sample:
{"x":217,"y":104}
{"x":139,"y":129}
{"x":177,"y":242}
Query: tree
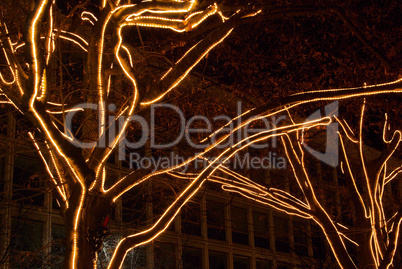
{"x":367,"y":177}
{"x":33,"y":66}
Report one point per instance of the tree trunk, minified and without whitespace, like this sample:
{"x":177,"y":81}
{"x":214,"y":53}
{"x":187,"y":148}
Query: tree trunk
{"x":83,"y":254}
{"x":92,"y":218}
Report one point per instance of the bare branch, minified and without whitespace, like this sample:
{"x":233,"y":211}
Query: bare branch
{"x":393,"y":241}
{"x":180,"y":70}
{"x":320,"y":215}
{"x":362,"y":202}
{"x":379,"y":162}
{"x":393,"y":174}
{"x":282,"y":205}
{"x":282,"y":201}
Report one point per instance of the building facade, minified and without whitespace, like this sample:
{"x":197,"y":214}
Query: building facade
{"x":215,"y":230}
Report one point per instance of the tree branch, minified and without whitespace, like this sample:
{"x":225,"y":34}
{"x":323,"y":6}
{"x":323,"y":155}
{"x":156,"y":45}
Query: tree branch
{"x":282,"y":201}
{"x":393,"y":241}
{"x":181,"y":68}
{"x":320,"y":215}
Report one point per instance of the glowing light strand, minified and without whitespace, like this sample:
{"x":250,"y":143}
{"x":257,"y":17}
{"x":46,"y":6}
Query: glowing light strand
{"x":190,"y":190}
{"x":36,"y":82}
{"x":39,"y":84}
{"x":195,"y":20}
{"x":298,"y":172}
{"x":48,"y":170}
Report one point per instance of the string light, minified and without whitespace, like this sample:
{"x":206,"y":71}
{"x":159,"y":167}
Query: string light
{"x":88,"y":16}
{"x":135,"y":19}
{"x":193,"y":187}
{"x":57,"y":184}
{"x":155,"y":14}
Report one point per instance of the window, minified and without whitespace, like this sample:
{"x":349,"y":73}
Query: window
{"x":58,"y":236}
{"x":239,"y":225}
{"x":261,"y":230}
{"x":281,"y":234}
{"x":26,"y":240}
{"x":240,"y":262}
{"x":299,"y":232}
{"x":217,"y":260}
{"x":282,"y":265}
{"x":162,"y":198}
{"x":133,"y":208}
{"x":319,"y":251}
{"x":216,"y":220}
{"x":263,"y":264}
{"x":55,"y":204}
{"x":191,"y":219}
{"x":136,"y":258}
{"x":165,"y":256}
{"x":27,"y":186}
{"x":26,"y":235}
{"x":192,"y":258}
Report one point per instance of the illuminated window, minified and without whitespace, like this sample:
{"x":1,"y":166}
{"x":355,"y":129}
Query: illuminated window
{"x":261,"y":230}
{"x":281,"y":234}
{"x":239,"y":225}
